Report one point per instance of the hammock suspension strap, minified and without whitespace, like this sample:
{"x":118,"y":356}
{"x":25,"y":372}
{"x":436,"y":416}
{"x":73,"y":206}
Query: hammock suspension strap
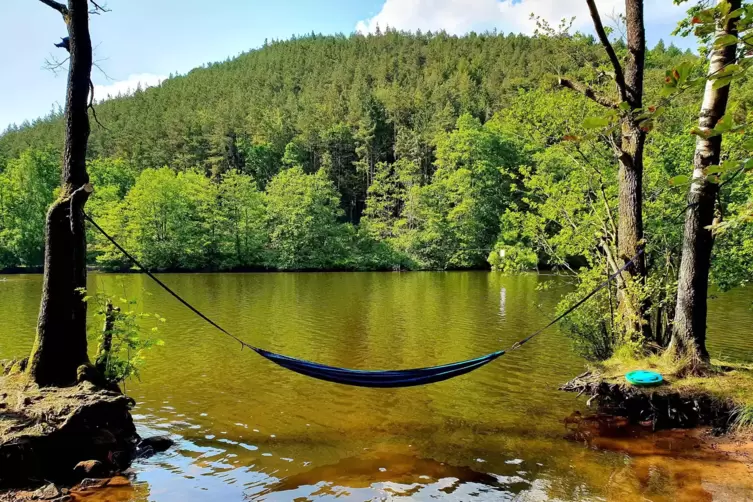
{"x":361,"y":378}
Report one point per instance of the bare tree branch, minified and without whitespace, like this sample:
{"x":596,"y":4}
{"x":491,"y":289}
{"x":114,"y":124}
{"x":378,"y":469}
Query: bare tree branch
{"x":98,"y":8}
{"x":54,"y":65}
{"x":91,"y":106}
{"x":62,"y":9}
{"x":95,"y":65}
{"x":619,"y":76}
{"x":588,"y":92}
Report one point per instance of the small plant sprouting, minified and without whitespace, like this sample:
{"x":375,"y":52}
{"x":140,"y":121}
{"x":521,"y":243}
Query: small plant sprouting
{"x":121,"y":343}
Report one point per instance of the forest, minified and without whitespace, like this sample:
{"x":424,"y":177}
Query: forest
{"x":418,"y":151}
{"x":393,"y":151}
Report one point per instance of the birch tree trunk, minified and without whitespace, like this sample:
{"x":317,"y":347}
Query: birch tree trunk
{"x":689,"y":329}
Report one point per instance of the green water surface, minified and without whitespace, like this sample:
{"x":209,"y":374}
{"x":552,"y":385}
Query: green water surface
{"x":248,"y":429}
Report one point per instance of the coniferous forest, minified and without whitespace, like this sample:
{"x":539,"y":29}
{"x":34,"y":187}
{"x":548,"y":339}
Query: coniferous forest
{"x":387,"y":151}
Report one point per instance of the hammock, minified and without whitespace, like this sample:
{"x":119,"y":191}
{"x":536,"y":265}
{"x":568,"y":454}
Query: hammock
{"x":384,"y":379}
{"x":361,"y":378}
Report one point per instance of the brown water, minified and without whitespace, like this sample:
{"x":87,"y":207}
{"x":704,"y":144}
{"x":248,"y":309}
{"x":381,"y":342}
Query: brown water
{"x":248,"y":429}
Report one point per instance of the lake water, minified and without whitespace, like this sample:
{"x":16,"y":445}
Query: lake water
{"x":246,"y":429}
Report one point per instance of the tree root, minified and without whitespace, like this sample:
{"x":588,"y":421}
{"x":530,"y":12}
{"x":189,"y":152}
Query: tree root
{"x":661,"y":408}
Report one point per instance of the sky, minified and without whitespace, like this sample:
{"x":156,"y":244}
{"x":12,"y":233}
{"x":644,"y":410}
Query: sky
{"x":144,"y":41}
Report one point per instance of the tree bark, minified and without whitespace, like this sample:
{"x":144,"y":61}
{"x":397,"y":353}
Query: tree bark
{"x":60,"y":345}
{"x":631,"y":307}
{"x":689,"y":328}
{"x":629,"y":82}
{"x":103,"y":354}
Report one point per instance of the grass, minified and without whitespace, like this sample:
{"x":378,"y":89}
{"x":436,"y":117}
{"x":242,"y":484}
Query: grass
{"x":728,"y":382}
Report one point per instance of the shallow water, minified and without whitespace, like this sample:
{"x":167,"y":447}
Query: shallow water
{"x":248,"y":429}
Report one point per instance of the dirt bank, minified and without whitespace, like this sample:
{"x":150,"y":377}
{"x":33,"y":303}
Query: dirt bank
{"x":46,"y":432}
{"x":663,"y":407}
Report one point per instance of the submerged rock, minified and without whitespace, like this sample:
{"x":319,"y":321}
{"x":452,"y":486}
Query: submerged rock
{"x":48,"y":492}
{"x":45,"y":433}
{"x":152,"y":445}
{"x":91,"y":483}
{"x":91,"y":469}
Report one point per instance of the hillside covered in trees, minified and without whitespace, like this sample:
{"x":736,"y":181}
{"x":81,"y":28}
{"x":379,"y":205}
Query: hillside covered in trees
{"x":395,"y":150}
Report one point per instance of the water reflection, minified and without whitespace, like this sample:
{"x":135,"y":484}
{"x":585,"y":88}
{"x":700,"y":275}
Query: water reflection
{"x":247,"y":429}
{"x":502,"y":302}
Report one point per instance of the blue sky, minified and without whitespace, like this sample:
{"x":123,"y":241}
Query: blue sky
{"x":146,"y":40}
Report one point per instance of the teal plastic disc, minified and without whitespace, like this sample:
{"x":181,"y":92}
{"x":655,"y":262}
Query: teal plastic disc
{"x":644,"y":378}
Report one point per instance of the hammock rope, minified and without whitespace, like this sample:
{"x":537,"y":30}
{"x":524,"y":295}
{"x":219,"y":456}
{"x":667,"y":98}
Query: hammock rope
{"x":363,"y":378}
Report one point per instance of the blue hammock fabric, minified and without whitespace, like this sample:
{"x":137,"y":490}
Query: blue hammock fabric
{"x":362,"y":378}
{"x":379,"y":379}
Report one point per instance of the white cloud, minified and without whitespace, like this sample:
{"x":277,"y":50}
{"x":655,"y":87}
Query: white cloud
{"x":453,"y":16}
{"x":127,"y":86}
{"x":460,"y":16}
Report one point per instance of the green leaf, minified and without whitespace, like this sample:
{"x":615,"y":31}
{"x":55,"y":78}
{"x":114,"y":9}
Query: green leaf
{"x":714,"y":169}
{"x":724,"y":41}
{"x":705,"y":134}
{"x":724,"y":124}
{"x":682,"y":72}
{"x":668,"y":89}
{"x":595,"y":122}
{"x":679,"y":180}
{"x":625,"y":106}
{"x":729,"y":165}
{"x":646,"y":125}
{"x":735,"y":14}
{"x":706,"y":15}
{"x":721,"y":82}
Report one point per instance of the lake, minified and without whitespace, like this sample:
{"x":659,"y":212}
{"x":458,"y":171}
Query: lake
{"x":247,"y":429}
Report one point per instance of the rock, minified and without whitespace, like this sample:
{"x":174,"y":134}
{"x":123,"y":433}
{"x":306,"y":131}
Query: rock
{"x":155,"y":444}
{"x":46,"y":433}
{"x":91,"y":469}
{"x":88,"y":373}
{"x":17,"y":496}
{"x":90,"y":483}
{"x":104,"y":437}
{"x":47,"y":492}
{"x":119,"y":481}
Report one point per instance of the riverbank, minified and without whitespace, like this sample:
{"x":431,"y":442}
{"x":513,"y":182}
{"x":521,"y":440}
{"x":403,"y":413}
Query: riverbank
{"x":64,"y":435}
{"x":721,"y":398}
{"x":45,"y":433}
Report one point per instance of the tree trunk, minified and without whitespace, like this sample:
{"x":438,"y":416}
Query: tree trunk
{"x":103,"y":354}
{"x":689,"y":329}
{"x":631,"y":307}
{"x":60,"y":345}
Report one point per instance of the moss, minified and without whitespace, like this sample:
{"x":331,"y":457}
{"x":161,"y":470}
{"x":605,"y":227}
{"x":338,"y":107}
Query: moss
{"x":45,"y":432}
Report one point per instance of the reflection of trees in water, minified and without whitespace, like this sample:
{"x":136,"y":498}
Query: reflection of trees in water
{"x":502,"y":302}
{"x":396,"y":474}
